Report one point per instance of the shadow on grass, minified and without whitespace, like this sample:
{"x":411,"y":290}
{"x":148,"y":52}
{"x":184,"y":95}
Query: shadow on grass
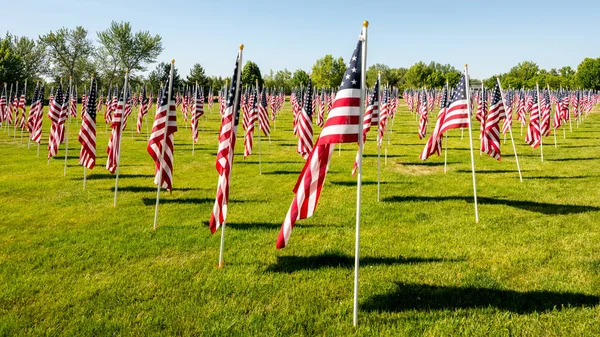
{"x":281,"y":172}
{"x":165,"y":200}
{"x":490,"y":171}
{"x":382,"y":155}
{"x":149,"y":189}
{"x":560,"y":177}
{"x":574,"y":159}
{"x":538,"y":207}
{"x":248,"y":162}
{"x":353,"y":183}
{"x":424,"y":297}
{"x":290,"y":264}
{"x":429,"y":163}
{"x":112,"y":176}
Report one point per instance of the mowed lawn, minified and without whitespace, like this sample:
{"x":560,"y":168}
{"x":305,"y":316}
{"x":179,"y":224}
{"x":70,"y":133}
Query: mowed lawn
{"x":72,"y":264}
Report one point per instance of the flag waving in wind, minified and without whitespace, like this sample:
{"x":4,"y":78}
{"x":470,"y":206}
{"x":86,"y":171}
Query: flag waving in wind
{"x":229,"y":124}
{"x":342,"y":126}
{"x":160,"y":144}
{"x":87,"y":133}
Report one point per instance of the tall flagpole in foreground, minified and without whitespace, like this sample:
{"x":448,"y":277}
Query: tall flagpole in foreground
{"x":510,"y":130}
{"x":468,"y":94}
{"x":361,"y":116}
{"x":164,"y":144}
{"x":120,"y":134}
{"x":378,"y":140}
{"x":236,"y":104}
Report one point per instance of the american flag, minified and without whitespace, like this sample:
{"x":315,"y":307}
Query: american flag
{"x":22,"y":107}
{"x":55,"y":113}
{"x":229,"y":123}
{"x":304,"y":124}
{"x":434,"y":143}
{"x":371,"y":118}
{"x":490,"y":142}
{"x":211,"y":98}
{"x":84,"y":102}
{"x":558,"y":114}
{"x":3,"y":108}
{"x":33,"y":110}
{"x":383,"y":117}
{"x":545,"y":113}
{"x":73,"y":103}
{"x":118,"y":125}
{"x":321,"y":115}
{"x":252,"y":113}
{"x":342,"y":126}
{"x":423,"y":114}
{"x":143,"y":110}
{"x":197,"y":113}
{"x":38,"y":117}
{"x":507,"y":125}
{"x":87,"y":132}
{"x":263,"y":114}
{"x":165,"y":125}
{"x":533,"y":136}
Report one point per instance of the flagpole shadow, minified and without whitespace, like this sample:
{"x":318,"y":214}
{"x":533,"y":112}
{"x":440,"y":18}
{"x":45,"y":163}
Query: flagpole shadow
{"x":423,"y":297}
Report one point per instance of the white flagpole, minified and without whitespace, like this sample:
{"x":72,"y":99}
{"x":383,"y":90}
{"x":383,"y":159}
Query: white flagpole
{"x":378,"y":140}
{"x":236,"y":103}
{"x":540,"y":122}
{"x":164,"y":144}
{"x":69,"y":125}
{"x":467,"y":94}
{"x":120,"y":134}
{"x":446,"y":135}
{"x":510,"y":130}
{"x":555,"y":111}
{"x":363,"y":76}
{"x":258,"y":98}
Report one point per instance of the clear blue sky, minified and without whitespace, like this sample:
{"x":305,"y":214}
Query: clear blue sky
{"x":491,"y":36}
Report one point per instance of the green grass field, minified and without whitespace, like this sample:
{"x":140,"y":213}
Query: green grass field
{"x":71,"y":264}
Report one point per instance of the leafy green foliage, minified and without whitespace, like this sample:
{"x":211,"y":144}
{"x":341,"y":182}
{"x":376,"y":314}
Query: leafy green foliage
{"x":70,"y":53}
{"x":251,"y":74}
{"x":327,"y":72}
{"x":588,"y":73}
{"x":432,"y":75}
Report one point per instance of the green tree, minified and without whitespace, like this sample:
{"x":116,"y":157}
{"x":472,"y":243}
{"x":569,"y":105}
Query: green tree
{"x":588,"y":73}
{"x":327,"y":72}
{"x":158,"y":77}
{"x":131,"y":51}
{"x":250,"y":74}
{"x":197,"y":75}
{"x":33,"y":56}
{"x":11,"y":66}
{"x":283,"y":79}
{"x":69,"y":52}
{"x":374,"y":71}
{"x":300,"y":78}
{"x":417,"y":75}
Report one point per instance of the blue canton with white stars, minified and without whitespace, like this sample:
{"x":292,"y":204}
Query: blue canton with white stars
{"x":352,"y":77}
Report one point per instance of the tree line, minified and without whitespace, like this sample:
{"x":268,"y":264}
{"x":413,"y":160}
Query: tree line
{"x":66,"y":52}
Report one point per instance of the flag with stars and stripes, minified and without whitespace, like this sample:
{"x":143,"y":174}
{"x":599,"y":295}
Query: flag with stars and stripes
{"x":490,"y":140}
{"x":55,"y":113}
{"x":163,"y":132}
{"x":263,"y":114}
{"x":117,"y":124}
{"x":87,"y":132}
{"x":424,"y":115}
{"x":341,"y":126}
{"x":533,"y":136}
{"x":305,"y":130}
{"x":229,"y":124}
{"x":252,"y":117}
{"x":371,"y":118}
{"x":33,"y":110}
{"x":197,"y":112}
{"x":434,"y":143}
{"x":38,"y":117}
{"x":144,"y":106}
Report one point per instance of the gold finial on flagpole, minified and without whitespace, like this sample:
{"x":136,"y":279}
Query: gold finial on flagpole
{"x":242,"y":46}
{"x":365,"y":23}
